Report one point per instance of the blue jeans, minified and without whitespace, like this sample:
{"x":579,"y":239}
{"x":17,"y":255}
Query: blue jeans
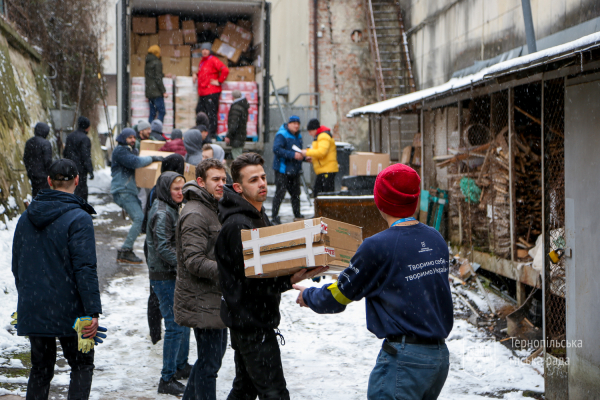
{"x":133,"y":207}
{"x":157,"y":105}
{"x":176,"y":345}
{"x":202,"y":384}
{"x":416,"y":372}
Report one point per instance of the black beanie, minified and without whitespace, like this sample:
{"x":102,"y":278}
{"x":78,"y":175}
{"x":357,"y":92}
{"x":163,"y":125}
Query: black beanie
{"x":174,"y":162}
{"x":83,"y":123}
{"x":313,"y":124}
{"x":41,"y":129}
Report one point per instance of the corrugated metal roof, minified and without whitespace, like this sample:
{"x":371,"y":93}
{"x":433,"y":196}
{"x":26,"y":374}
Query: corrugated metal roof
{"x":492,"y":71}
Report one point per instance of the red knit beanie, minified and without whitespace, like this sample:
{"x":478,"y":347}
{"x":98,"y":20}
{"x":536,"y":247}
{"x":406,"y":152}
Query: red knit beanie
{"x":397,"y":190}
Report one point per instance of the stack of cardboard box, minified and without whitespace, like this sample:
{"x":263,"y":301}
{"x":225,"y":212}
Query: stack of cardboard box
{"x":140,"y":108}
{"x":175,"y":54}
{"x":186,"y":98}
{"x":250,"y":92}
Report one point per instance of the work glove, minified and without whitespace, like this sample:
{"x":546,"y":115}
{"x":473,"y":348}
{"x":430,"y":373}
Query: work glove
{"x":84,"y":344}
{"x":99,"y":336}
{"x":14,"y":319}
{"x":157,"y":158}
{"x":91,"y":175}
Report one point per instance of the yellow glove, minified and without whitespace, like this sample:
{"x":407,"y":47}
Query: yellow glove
{"x":84,"y":344}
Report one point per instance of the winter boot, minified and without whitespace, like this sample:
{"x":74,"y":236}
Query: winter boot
{"x":173,"y":387}
{"x":183,"y":373}
{"x":276,"y":221}
{"x":127,"y":256}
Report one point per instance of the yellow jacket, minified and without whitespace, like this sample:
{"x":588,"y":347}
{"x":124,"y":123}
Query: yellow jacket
{"x":323,"y":153}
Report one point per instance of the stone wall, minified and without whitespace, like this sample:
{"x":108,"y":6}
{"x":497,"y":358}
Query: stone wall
{"x":25,"y":98}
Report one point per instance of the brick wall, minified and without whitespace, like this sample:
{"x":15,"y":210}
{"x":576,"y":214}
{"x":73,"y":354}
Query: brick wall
{"x":346,"y":78}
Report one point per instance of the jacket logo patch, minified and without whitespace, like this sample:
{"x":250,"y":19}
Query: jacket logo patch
{"x":424,"y":248}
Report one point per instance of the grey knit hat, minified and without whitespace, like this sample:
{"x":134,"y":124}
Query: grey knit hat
{"x":143,"y":125}
{"x":206,"y":46}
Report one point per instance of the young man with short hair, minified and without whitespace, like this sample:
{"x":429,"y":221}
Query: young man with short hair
{"x":162,"y":263}
{"x":402,"y":273}
{"x":54,"y":265}
{"x":197,"y":291}
{"x":250,"y":306}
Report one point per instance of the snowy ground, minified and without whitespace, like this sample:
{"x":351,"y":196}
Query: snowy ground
{"x":325,"y":356}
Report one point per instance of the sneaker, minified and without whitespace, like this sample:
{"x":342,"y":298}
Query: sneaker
{"x":183,"y":373}
{"x":276,"y":221}
{"x":173,"y":387}
{"x":128,"y":256}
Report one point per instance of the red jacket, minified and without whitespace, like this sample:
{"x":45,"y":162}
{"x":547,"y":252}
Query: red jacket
{"x":210,"y":68}
{"x":175,"y":146}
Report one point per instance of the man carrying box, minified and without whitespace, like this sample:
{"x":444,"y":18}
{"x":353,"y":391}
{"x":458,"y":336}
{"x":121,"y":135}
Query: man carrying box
{"x":250,"y":306}
{"x":403,"y":274}
{"x":124,"y":190}
{"x":211,"y":74}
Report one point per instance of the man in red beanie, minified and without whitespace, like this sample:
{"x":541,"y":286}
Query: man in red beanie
{"x":403,"y":274}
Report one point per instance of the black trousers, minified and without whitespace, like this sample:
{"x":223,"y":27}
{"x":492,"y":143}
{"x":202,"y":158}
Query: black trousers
{"x":258,"y":369}
{"x":37,"y":185}
{"x":210,"y":106}
{"x":324,"y":183}
{"x":43,"y":358}
{"x":82,"y":189}
{"x":286,"y":183}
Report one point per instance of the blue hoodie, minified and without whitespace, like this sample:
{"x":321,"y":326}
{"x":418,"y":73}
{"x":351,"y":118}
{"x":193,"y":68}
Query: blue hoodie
{"x":54,"y":265}
{"x":284,"y":161}
{"x":123,"y":165}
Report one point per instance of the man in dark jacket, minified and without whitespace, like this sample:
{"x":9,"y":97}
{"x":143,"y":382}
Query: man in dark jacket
{"x":402,"y":273}
{"x":124,"y":190}
{"x":79,"y":149}
{"x":197,"y":291}
{"x":287,"y":164}
{"x":155,"y":88}
{"x":236,"y":124}
{"x":162,"y":263}
{"x":250,"y":306}
{"x":157,"y":131}
{"x":37,"y":158}
{"x":54,"y":265}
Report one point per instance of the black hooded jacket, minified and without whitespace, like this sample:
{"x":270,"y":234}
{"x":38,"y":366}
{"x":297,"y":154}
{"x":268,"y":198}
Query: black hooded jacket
{"x":54,"y":265}
{"x":79,"y":149}
{"x":237,"y":122}
{"x":38,"y":155}
{"x":248,"y":304}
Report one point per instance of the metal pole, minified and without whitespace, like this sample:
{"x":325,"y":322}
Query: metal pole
{"x":277,"y":98}
{"x":529,"y":31}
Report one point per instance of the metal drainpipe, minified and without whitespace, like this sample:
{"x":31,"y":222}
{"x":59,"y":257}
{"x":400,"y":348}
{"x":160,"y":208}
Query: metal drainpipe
{"x":529,"y":31}
{"x":316,"y":44}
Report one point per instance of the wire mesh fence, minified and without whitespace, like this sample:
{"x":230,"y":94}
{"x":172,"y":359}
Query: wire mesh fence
{"x":554,"y":218}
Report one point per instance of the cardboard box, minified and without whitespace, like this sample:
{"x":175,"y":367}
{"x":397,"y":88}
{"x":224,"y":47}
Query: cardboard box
{"x":189,"y":32}
{"x":137,"y":65}
{"x":176,"y":51}
{"x":141,"y":43}
{"x":363,"y":163}
{"x":168,"y":22}
{"x":406,"y":152}
{"x":237,"y":74}
{"x":282,"y":248}
{"x":244,"y":23}
{"x":143,"y":25}
{"x":226,"y":50}
{"x":416,"y":159}
{"x":173,"y":38}
{"x":146,"y":177}
{"x":206,"y":26}
{"x":153,"y":145}
{"x":236,"y":36}
{"x":176,"y":66}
